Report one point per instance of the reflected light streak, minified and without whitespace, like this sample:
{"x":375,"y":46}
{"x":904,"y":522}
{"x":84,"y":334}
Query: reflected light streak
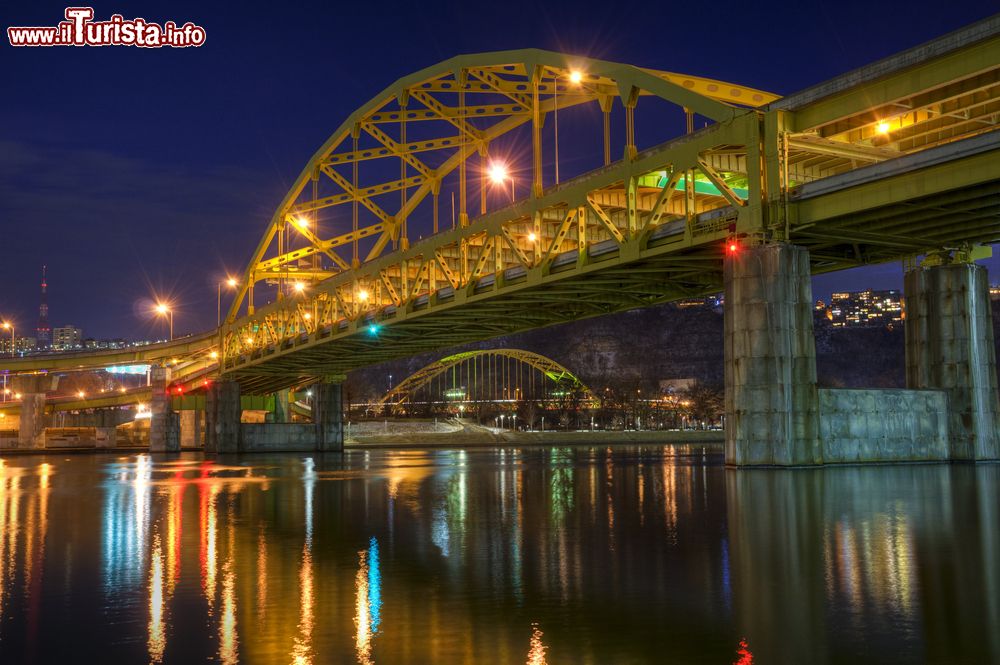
{"x":744,"y":655}
{"x":157,"y":640}
{"x":5,"y":529}
{"x":362,"y":616}
{"x":302,"y":649}
{"x":374,"y":586}
{"x":536,"y":649}
{"x":12,"y":528}
{"x":228,"y":638}
{"x":209,"y":518}
{"x":261,"y":575}
{"x":174,"y":512}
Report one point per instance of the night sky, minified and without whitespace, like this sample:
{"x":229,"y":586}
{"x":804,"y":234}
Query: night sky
{"x":134,"y":171}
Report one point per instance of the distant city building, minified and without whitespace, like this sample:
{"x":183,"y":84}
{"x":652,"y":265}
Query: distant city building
{"x":22,"y":345}
{"x":866,"y":308}
{"x":91,"y":343}
{"x":67,"y":337}
{"x":43,"y":333}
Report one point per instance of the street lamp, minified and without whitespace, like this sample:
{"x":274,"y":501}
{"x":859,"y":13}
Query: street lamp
{"x":163,"y":309}
{"x":499,"y":173}
{"x":229,"y":283}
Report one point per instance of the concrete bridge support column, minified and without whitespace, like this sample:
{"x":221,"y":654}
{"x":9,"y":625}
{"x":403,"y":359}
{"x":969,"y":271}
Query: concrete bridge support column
{"x":282,"y":407}
{"x":223,"y":411}
{"x":164,"y":424}
{"x":949,"y":346}
{"x":106,"y":423}
{"x":31,"y":432}
{"x":328,"y":415}
{"x":772,"y":404}
{"x":32,"y":422}
{"x":190,"y":428}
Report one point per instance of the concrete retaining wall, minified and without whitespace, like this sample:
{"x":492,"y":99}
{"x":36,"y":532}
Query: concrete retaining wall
{"x":280,"y":437}
{"x":883,"y":425}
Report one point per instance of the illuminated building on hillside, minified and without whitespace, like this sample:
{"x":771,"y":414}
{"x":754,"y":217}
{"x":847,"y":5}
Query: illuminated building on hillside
{"x":866,"y":308}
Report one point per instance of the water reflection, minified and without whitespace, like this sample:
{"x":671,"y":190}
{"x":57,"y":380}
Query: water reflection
{"x":157,"y":634}
{"x":536,"y":650}
{"x":638,"y":554}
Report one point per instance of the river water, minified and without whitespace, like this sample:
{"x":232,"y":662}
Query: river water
{"x":639,"y":554}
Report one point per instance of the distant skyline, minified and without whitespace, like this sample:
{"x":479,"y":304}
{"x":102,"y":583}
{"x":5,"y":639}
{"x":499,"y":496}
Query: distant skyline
{"x":133,"y":172}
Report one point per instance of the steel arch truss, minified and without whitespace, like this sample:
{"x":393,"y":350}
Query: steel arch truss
{"x":379,"y":177}
{"x":552,"y":370}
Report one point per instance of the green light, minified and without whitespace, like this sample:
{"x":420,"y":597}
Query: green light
{"x":373,"y":329}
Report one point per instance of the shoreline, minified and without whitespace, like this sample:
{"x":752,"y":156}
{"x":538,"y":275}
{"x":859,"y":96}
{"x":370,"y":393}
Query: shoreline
{"x":483,"y":438}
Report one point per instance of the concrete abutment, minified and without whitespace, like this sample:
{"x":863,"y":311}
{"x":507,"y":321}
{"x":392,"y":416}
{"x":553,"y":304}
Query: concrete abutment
{"x":776,"y":415}
{"x":949,"y":347}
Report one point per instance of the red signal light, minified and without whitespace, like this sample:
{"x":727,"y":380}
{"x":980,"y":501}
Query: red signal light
{"x":733,"y":247}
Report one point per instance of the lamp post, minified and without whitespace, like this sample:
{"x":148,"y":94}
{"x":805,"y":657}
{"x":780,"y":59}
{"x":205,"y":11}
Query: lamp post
{"x":229,"y":283}
{"x":164,"y":310}
{"x":499,"y":173}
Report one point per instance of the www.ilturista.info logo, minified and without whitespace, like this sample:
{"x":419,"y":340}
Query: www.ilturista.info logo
{"x":79,"y":29}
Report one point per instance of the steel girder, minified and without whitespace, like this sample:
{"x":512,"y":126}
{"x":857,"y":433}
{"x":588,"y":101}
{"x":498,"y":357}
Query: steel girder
{"x":422,"y":377}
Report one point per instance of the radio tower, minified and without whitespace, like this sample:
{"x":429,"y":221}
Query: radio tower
{"x":43,"y":334}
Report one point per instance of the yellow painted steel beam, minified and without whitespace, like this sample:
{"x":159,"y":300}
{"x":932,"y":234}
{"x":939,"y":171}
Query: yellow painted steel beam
{"x":900,"y":85}
{"x":183,"y":347}
{"x":898,"y":189}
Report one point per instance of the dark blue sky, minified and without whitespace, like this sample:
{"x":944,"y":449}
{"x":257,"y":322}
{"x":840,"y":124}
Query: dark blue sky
{"x":132,"y":171}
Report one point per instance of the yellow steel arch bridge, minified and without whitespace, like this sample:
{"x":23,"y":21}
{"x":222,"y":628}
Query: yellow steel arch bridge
{"x":489,"y":375}
{"x":440,"y":212}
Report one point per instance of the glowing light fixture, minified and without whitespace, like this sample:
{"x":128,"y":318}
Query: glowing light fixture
{"x":532,"y":237}
{"x":575,"y":76}
{"x":362,"y":295}
{"x":300,"y":287}
{"x":498,"y":173}
{"x":373,"y":329}
{"x":213,"y":355}
{"x":882,"y":127}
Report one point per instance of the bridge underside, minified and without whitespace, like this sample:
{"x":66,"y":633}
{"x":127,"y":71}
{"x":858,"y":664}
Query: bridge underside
{"x":521,"y":306}
{"x":872,"y":216}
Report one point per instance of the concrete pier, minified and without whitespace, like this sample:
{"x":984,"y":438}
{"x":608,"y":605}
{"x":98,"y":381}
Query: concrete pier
{"x":164,"y":424}
{"x":191,"y":428}
{"x":32,"y":421}
{"x":223,"y":412}
{"x":328,"y":416}
{"x":949,"y":347}
{"x":772,"y":404}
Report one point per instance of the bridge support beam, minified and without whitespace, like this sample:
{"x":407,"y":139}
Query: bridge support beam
{"x":164,"y":424}
{"x":31,"y":431}
{"x":772,"y":403}
{"x":281,"y":413}
{"x":32,"y":421}
{"x":949,"y":346}
{"x":223,"y":412}
{"x":190,"y":428}
{"x":328,"y":415}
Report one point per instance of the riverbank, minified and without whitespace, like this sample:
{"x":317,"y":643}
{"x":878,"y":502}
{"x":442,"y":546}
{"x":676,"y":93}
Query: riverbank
{"x":464,"y":433}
